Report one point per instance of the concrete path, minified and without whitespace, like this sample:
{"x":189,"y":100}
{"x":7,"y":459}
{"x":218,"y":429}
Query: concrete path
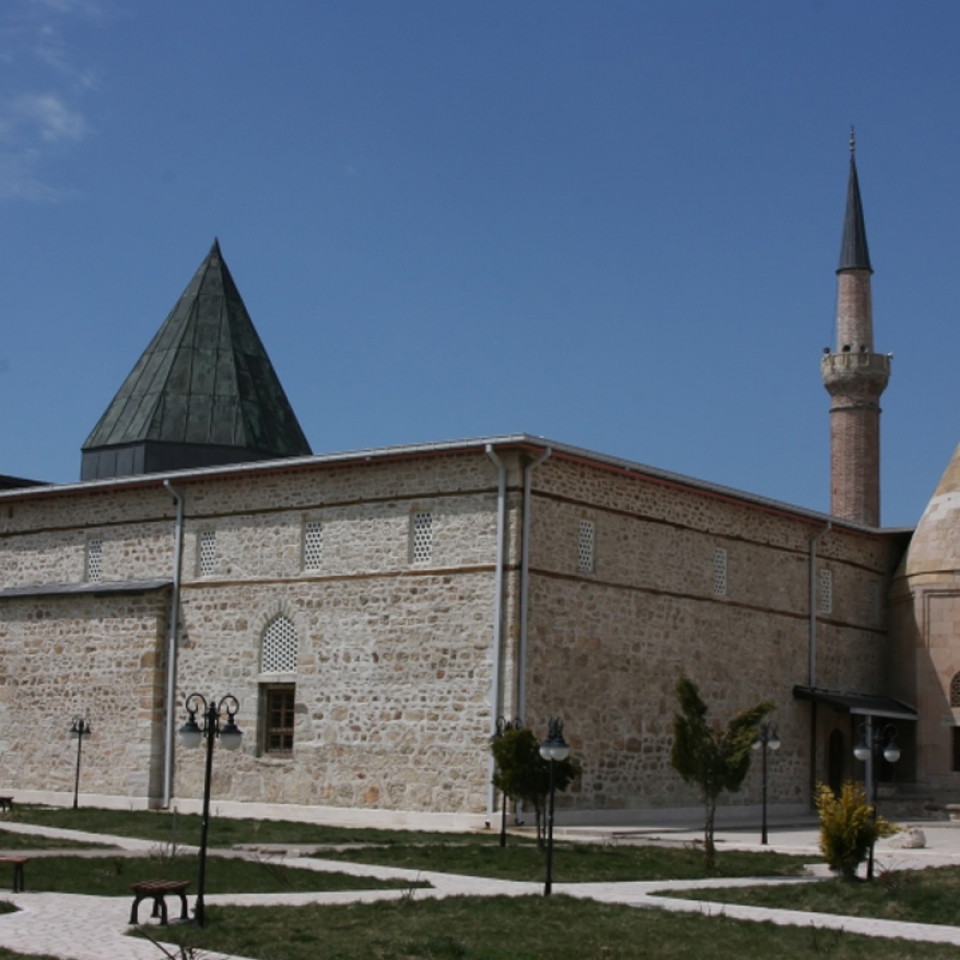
{"x":75,"y":927}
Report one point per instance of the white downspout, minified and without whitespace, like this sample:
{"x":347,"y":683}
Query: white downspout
{"x":172,"y":650}
{"x":495,"y":706}
{"x":525,"y":587}
{"x":813,"y":657}
{"x":813,"y":601}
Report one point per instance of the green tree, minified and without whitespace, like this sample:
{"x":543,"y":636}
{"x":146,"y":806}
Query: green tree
{"x":849,"y":827}
{"x":522,"y":774}
{"x":715,"y":760}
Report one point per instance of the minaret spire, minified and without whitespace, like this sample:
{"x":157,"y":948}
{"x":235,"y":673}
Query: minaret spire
{"x":854,"y":375}
{"x":854,"y":253}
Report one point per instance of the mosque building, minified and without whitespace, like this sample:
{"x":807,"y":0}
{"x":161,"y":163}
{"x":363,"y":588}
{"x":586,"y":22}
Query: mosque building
{"x":374,"y":613}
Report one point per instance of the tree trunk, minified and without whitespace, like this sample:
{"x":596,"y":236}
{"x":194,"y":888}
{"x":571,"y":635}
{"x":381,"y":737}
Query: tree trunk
{"x":709,"y":850}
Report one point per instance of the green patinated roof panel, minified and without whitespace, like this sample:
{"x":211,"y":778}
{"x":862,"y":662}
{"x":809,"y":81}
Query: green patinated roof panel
{"x":205,"y":379}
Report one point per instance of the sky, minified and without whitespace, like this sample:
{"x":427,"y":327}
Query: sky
{"x":613,"y":224}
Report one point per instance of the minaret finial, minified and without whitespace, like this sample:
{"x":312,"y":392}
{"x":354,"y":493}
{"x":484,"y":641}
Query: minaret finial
{"x":853,"y":140}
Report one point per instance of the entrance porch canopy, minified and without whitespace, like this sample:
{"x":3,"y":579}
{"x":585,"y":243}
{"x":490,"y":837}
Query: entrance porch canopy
{"x":862,"y":704}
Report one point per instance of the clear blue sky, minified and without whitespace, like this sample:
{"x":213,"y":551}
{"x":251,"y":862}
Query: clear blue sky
{"x":612,"y":224}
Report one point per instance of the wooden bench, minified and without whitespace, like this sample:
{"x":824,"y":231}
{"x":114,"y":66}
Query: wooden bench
{"x":6,"y":803}
{"x":18,"y":862}
{"x":157,"y":890}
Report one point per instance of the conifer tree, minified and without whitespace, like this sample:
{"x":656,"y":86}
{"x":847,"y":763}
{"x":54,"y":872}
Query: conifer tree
{"x":713,"y":759}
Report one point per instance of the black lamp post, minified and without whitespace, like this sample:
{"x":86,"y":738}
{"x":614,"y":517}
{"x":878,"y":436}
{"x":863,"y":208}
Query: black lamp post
{"x":191,"y":735}
{"x":552,"y":749}
{"x":873,"y":745}
{"x":503,"y":725}
{"x":79,"y":731}
{"x":768,"y":739}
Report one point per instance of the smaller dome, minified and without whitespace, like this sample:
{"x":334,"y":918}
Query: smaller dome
{"x":935,"y":546}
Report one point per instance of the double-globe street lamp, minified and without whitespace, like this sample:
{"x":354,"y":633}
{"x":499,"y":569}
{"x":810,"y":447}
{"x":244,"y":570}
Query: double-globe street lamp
{"x":873,"y":745}
{"x":191,"y":734}
{"x":767,"y":739}
{"x":79,"y":731}
{"x":553,"y":750}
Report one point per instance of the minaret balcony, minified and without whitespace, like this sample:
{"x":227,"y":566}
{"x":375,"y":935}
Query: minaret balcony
{"x":855,"y":372}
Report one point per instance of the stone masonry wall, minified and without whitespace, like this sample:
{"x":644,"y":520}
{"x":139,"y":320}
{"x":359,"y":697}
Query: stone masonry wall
{"x":606,"y":647}
{"x":64,"y":657}
{"x":393,"y":680}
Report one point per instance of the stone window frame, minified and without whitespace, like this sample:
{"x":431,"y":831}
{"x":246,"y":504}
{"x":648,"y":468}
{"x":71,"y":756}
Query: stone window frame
{"x":587,"y":546}
{"x":421,"y":539}
{"x":721,"y":583}
{"x":276,"y":679}
{"x":93,"y":560}
{"x":311,"y":544}
{"x":206,"y":558}
{"x":277,"y":719}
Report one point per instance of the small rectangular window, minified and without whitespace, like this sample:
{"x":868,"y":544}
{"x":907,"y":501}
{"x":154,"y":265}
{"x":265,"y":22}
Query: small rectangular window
{"x":312,"y":545}
{"x":826,"y":591}
{"x":207,"y":553}
{"x":873,"y":602}
{"x":94,"y":560}
{"x":277,"y":718}
{"x":956,"y":749}
{"x":585,"y":547}
{"x":422,"y":537}
{"x":720,"y":572}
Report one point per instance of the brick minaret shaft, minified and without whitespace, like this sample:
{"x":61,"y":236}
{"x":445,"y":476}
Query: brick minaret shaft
{"x":855,"y":376}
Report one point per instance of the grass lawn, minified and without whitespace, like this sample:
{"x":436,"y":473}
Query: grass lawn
{"x":10,"y":955}
{"x":163,"y":827}
{"x":918,"y":896}
{"x":112,"y":876}
{"x":520,"y":928}
{"x":475,"y":854}
{"x":27,"y":841}
{"x":573,"y":862}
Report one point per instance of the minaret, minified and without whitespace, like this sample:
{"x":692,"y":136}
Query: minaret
{"x":855,"y":376}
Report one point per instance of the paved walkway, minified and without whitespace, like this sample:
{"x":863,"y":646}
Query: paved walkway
{"x":76,"y":927}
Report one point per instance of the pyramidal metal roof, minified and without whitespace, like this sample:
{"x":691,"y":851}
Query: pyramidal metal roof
{"x":854,"y":254}
{"x":204,"y":381}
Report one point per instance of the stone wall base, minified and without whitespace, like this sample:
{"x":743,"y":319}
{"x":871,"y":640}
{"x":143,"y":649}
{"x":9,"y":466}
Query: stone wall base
{"x":747,"y":815}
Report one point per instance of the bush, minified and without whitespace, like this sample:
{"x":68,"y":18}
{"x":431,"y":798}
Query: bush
{"x":522,"y":774}
{"x":849,"y":827}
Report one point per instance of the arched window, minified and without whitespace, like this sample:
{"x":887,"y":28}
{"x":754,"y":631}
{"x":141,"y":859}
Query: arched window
{"x":279,"y":647}
{"x":955,"y":690}
{"x":278,"y":654}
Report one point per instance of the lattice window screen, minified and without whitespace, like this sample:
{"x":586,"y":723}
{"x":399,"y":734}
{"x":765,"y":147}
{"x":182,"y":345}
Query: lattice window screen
{"x":955,"y":690}
{"x":280,"y":647}
{"x":94,"y":560}
{"x":208,"y":552}
{"x":585,"y":548}
{"x":312,"y":545}
{"x":422,"y":537}
{"x":826,"y":591}
{"x":720,"y":572}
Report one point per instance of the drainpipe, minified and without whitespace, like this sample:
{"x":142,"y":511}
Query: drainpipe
{"x":172,"y":649}
{"x":525,"y":586}
{"x":495,"y":706}
{"x":813,"y":656}
{"x":813,"y":601}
